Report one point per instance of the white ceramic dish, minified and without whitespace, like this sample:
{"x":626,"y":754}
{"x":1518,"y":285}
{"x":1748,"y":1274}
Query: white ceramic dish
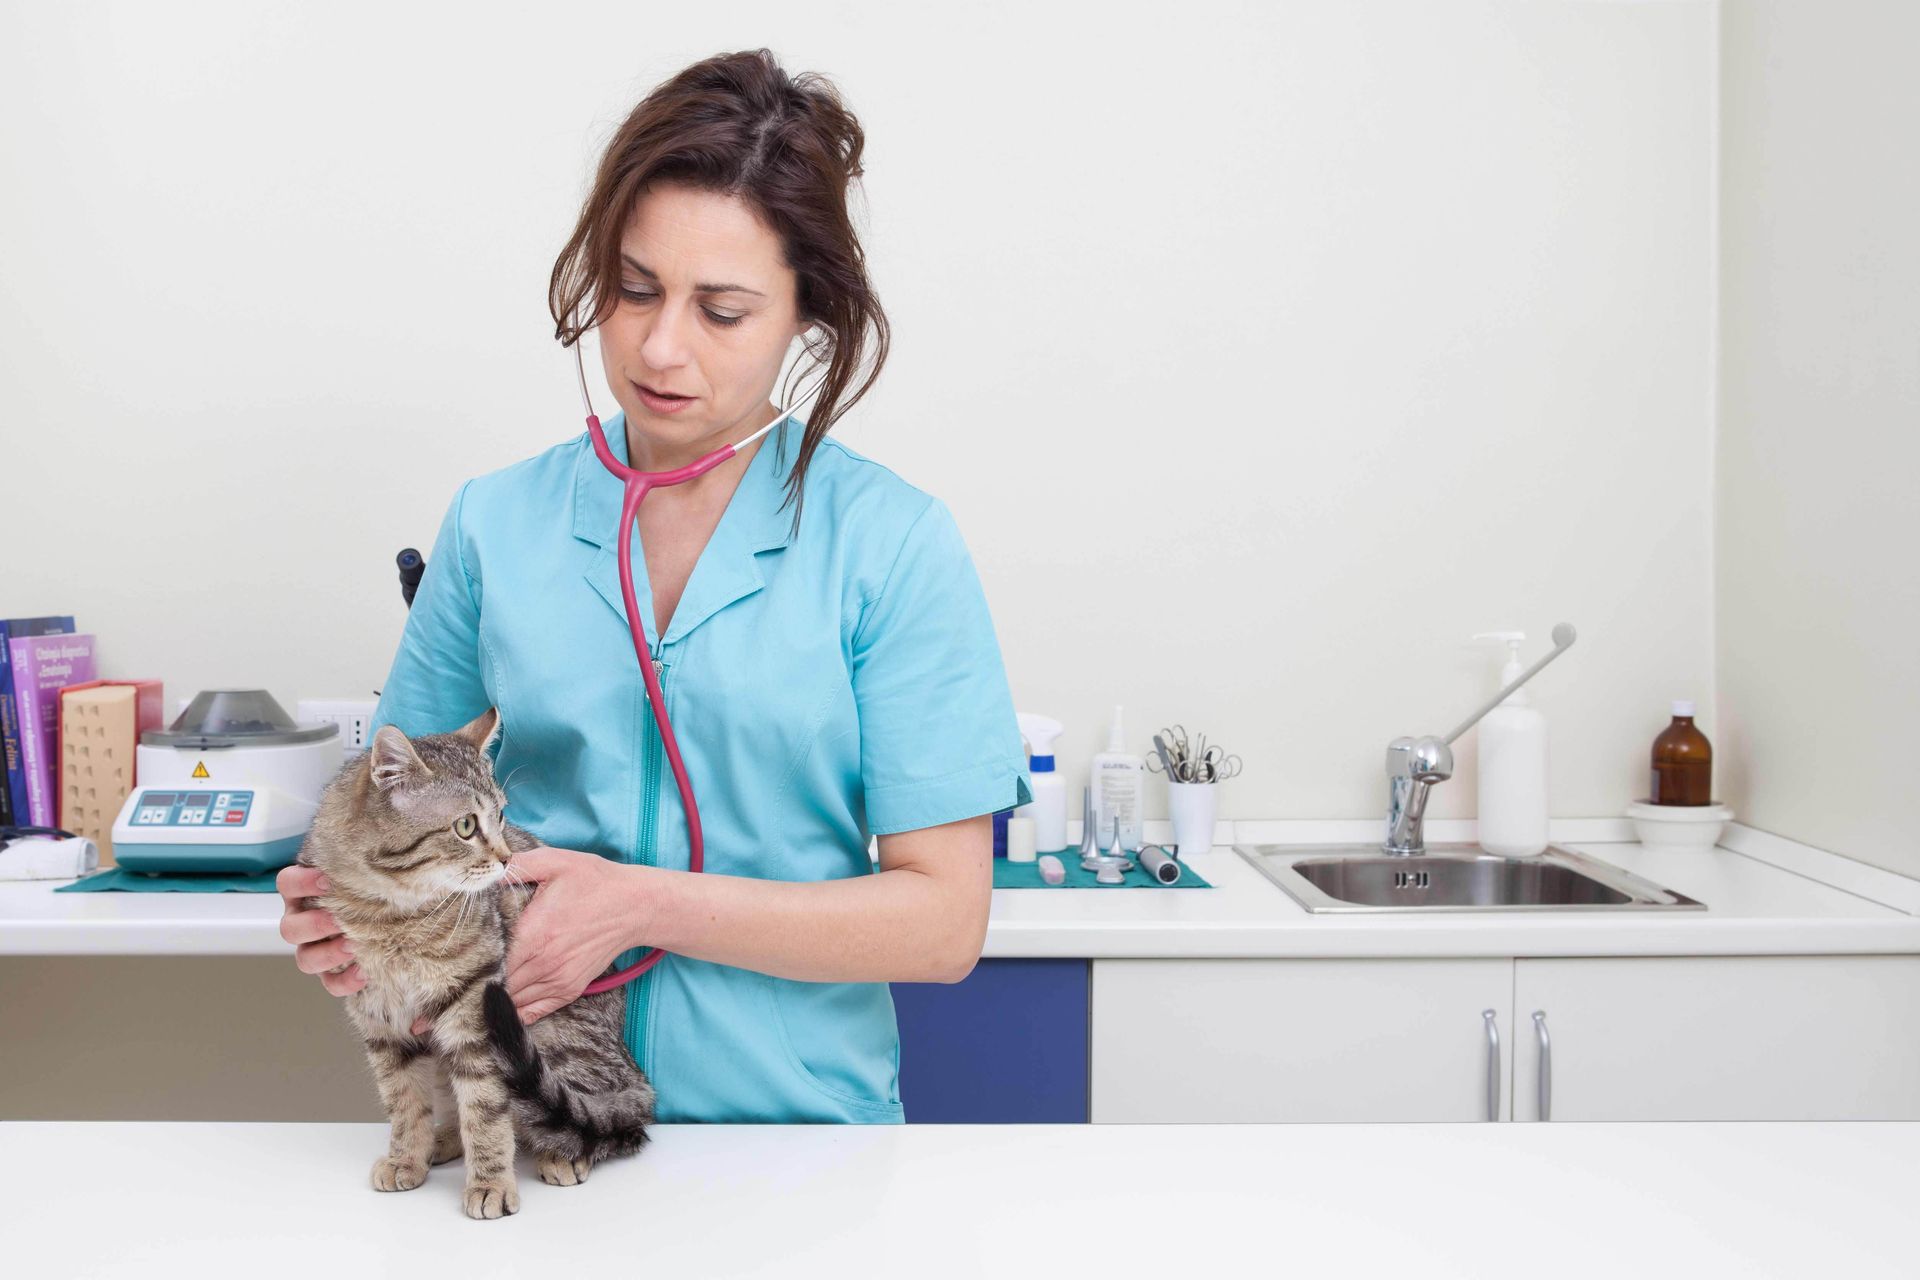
{"x":1679,"y":826}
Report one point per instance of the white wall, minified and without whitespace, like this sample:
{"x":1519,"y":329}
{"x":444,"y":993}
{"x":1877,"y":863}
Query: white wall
{"x":1818,"y":597}
{"x":1265,"y":353}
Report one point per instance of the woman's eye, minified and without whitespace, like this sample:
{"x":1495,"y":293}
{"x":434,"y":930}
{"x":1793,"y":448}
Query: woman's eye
{"x":718,"y":317}
{"x":465,"y":825}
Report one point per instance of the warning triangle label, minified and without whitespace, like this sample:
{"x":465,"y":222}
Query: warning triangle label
{"x":200,"y":769}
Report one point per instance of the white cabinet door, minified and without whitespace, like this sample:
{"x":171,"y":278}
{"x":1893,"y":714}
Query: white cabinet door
{"x":1720,"y":1038}
{"x":1300,"y":1040}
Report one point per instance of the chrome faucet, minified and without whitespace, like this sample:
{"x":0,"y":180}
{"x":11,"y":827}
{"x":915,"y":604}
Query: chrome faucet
{"x":1414,"y":765}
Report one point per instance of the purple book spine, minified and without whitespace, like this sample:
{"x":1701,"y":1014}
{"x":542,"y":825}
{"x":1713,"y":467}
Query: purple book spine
{"x":41,"y":665}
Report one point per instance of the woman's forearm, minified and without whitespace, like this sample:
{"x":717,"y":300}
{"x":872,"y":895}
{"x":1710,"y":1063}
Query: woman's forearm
{"x":891,"y":926}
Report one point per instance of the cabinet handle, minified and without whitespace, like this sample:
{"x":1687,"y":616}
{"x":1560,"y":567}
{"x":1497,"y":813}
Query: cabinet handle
{"x":1493,"y":1065}
{"x":1546,"y":1064}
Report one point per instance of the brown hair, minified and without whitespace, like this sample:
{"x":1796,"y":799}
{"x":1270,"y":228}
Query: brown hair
{"x":738,"y":125}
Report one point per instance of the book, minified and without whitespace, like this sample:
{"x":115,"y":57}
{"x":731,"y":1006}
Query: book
{"x":41,"y":665}
{"x":13,"y":786}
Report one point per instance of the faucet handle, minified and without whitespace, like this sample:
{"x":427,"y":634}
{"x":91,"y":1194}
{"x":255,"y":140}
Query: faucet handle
{"x":1425,"y":759}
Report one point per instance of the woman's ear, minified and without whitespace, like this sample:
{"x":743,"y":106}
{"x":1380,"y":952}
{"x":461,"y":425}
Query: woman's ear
{"x":392,"y":759}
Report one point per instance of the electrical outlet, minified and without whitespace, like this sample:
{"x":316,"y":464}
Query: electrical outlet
{"x":353,"y":715}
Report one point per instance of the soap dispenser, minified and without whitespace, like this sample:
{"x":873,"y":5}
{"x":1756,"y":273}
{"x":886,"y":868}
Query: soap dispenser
{"x":1512,"y":752}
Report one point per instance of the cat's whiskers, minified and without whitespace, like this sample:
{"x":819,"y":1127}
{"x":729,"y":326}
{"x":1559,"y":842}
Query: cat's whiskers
{"x":439,"y":906}
{"x":466,"y":900}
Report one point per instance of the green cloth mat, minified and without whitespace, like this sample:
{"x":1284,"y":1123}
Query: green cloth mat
{"x":120,"y":878}
{"x":1026,"y":875}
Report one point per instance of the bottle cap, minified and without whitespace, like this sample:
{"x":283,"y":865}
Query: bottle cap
{"x":1683,"y":707}
{"x":1116,"y":736}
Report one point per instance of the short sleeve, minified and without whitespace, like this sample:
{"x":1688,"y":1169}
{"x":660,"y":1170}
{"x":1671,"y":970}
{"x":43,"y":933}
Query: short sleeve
{"x":435,"y":683}
{"x":938,"y":738}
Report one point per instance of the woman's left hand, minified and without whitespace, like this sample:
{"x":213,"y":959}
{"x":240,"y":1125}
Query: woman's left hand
{"x":580,"y":918}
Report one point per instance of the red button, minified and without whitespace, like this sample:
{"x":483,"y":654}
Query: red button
{"x":234,"y":815}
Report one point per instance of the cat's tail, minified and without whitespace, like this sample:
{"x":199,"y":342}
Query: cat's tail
{"x":575,"y":1122}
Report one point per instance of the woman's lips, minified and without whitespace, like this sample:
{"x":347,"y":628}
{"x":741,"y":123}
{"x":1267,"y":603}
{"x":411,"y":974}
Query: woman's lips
{"x":659,"y":403}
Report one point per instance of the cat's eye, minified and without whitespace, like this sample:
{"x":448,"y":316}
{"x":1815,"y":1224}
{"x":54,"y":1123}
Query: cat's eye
{"x":465,"y":825}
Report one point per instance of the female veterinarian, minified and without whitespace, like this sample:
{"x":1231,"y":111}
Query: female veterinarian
{"x":830,"y":673}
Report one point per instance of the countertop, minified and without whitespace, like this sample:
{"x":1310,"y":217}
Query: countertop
{"x":1763,"y":896}
{"x":292,"y":1200}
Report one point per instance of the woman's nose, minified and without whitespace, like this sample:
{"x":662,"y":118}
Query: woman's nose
{"x":666,"y":343}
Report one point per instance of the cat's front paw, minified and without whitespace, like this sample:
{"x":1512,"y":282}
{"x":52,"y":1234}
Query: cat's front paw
{"x":447,"y":1145}
{"x":559,"y":1171}
{"x":492,"y":1199}
{"x":397,"y":1175}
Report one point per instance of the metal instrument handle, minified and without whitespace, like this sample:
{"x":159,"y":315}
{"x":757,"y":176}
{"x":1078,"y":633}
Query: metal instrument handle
{"x":1545,"y":1083}
{"x":1563,"y":638}
{"x":1493,"y":1065}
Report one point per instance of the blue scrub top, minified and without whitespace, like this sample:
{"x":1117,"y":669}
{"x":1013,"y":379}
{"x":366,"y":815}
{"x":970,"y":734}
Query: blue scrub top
{"x":825,"y":687}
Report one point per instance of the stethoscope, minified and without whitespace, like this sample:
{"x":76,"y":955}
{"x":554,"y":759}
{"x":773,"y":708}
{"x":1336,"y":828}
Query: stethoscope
{"x":638,"y":485}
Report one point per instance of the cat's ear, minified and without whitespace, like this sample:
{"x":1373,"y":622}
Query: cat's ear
{"x":392,"y":759}
{"x":481,"y":730}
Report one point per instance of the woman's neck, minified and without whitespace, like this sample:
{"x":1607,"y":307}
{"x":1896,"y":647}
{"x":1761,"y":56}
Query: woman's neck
{"x":645,"y":453}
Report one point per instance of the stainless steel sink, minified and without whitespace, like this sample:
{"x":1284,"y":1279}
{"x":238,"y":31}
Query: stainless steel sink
{"x":1455,"y":877}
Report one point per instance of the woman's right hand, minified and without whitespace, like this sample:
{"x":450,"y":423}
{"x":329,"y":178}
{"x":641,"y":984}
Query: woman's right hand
{"x":318,"y":946}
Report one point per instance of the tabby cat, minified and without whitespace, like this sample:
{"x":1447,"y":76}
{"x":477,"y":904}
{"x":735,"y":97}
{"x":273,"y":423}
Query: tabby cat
{"x":411,"y":837}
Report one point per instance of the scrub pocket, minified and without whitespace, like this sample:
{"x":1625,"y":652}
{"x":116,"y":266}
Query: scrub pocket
{"x":842,"y":1039}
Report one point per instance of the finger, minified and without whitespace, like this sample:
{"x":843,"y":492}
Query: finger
{"x":538,"y":864}
{"x":318,"y":957}
{"x":519,"y":970}
{"x":521,"y":957}
{"x":539,"y":1000}
{"x":344,"y":983}
{"x":297,"y":881}
{"x":540,"y":1009}
{"x":308,"y":926}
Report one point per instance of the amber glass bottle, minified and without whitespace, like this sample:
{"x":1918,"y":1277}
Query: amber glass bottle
{"x":1682,"y":761}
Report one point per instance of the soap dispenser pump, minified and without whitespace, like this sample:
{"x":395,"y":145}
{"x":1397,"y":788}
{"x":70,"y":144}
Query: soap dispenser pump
{"x":1512,"y":760}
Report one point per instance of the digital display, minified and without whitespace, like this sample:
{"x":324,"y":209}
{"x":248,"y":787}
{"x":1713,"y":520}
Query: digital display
{"x":158,"y":798}
{"x":199,"y":800}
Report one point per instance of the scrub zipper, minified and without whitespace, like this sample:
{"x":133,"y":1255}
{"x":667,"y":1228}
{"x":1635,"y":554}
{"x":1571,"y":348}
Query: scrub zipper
{"x":640,"y":990}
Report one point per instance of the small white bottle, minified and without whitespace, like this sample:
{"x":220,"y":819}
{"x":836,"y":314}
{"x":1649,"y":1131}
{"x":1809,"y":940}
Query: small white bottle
{"x":1512,"y":763}
{"x":1119,"y":788}
{"x":1048,"y":808}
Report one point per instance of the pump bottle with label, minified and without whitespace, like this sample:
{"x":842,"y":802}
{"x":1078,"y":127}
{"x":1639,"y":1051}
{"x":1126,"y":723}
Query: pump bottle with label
{"x":1119,"y":789}
{"x":1512,"y":763}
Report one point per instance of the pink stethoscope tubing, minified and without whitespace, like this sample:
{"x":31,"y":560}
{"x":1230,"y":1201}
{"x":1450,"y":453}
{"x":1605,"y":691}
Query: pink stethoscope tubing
{"x":638,"y":485}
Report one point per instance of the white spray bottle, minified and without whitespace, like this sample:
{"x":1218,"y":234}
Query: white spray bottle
{"x":1049,"y":806}
{"x":1512,"y":763}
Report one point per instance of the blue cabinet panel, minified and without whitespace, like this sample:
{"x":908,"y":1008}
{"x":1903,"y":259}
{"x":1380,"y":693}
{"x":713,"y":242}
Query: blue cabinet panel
{"x":1006,"y":1046}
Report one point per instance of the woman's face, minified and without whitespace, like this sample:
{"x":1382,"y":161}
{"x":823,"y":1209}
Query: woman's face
{"x":707,"y":310}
